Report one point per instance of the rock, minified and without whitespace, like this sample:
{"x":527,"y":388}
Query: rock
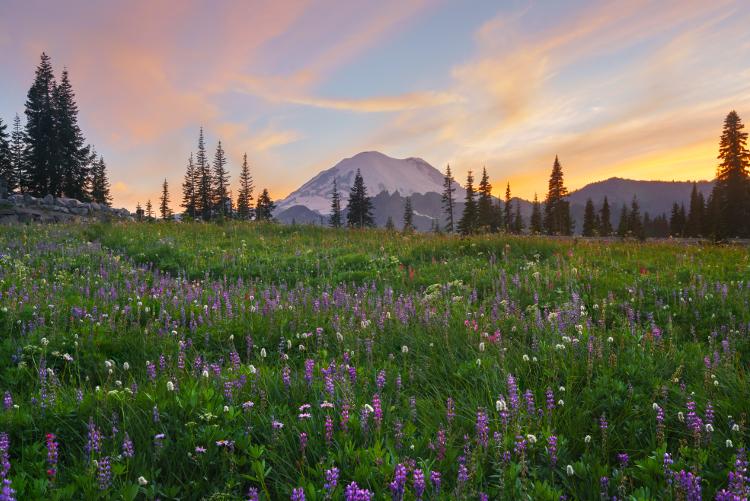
{"x":48,"y":200}
{"x":94,"y":206}
{"x":79,"y":211}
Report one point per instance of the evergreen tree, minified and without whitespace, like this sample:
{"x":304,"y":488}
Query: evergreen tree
{"x":677,"y":220}
{"x":518,"y":220}
{"x":264,"y":207}
{"x":485,"y":219}
{"x":335,"y":218}
{"x":189,"y":197}
{"x":468,"y":223}
{"x":40,"y":149}
{"x":70,"y":174}
{"x":359,"y":208}
{"x":605,"y":223}
{"x":635,"y":224}
{"x":507,"y":211}
{"x":622,"y":226}
{"x":100,"y":187}
{"x":408,"y":216}
{"x":711,"y":218}
{"x":389,"y":226}
{"x":204,"y":195}
{"x":221,"y":199}
{"x":694,"y":225}
{"x":556,"y":208}
{"x":245,"y":197}
{"x":7,"y":172}
{"x":138,"y":212}
{"x":589,"y":219}
{"x":164,"y":210}
{"x":732,"y":188}
{"x":149,"y":210}
{"x":448,"y":201}
{"x":536,"y":216}
{"x":20,"y":173}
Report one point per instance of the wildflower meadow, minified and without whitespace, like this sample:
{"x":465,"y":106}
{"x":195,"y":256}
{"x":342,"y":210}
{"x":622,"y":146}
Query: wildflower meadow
{"x":258,"y":361}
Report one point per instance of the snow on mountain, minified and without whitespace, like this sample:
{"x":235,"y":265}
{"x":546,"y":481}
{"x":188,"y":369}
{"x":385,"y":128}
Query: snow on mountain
{"x":380,"y":172}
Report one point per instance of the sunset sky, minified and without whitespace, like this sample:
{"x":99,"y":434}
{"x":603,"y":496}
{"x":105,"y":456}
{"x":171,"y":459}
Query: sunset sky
{"x":632,"y":88}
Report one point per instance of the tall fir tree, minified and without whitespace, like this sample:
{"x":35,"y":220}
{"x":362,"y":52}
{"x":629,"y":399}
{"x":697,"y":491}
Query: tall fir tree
{"x":189,"y":194}
{"x":389,"y":225}
{"x":536,"y":217}
{"x":204,"y":194}
{"x":71,"y":153}
{"x":335,"y":220}
{"x":635,"y":223}
{"x":138,"y":212}
{"x":264,"y":207}
{"x":359,"y":207}
{"x":605,"y":219}
{"x":40,"y":148}
{"x":17,"y":157}
{"x":408,"y":216}
{"x":622,"y":225}
{"x":732,"y":189}
{"x":100,"y":187}
{"x":221,"y":199}
{"x":485,"y":212}
{"x":468,"y":223}
{"x":518,"y":219}
{"x":556,"y":208}
{"x":507,"y":211}
{"x":7,"y":172}
{"x":149,"y":210}
{"x":448,"y":200}
{"x":164,"y":210}
{"x":589,"y":219}
{"x":245,"y":196}
{"x":694,"y":225}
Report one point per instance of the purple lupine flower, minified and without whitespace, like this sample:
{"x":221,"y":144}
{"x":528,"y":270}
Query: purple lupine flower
{"x":151,"y":370}
{"x":159,"y":441}
{"x":286,"y":376}
{"x":623,"y":459}
{"x":7,"y":401}
{"x":550,"y":399}
{"x":345,"y":418}
{"x":94,"y":443}
{"x":354,"y":493}
{"x":398,"y":483}
{"x":463,"y":474}
{"x":603,"y":425}
{"x":520,"y":445}
{"x":253,"y":494}
{"x":530,"y":405}
{"x":104,"y":473}
{"x":377,"y":410}
{"x":128,"y":450}
{"x":435,"y":481}
{"x":298,"y":494}
{"x":332,"y":480}
{"x":155,"y":414}
{"x":668,"y":473}
{"x":689,"y":485}
{"x":380,"y":380}
{"x":419,"y":484}
{"x":302,"y":443}
{"x":309,"y":367}
{"x":693,"y":421}
{"x":7,"y":493}
{"x":513,"y":392}
{"x":604,"y":487}
{"x":51,"y":456}
{"x":483,"y":497}
{"x":413,"y":408}
{"x":329,"y":430}
{"x":552,"y":449}
{"x":442,"y":444}
{"x":482,"y":428}
{"x":450,"y":412}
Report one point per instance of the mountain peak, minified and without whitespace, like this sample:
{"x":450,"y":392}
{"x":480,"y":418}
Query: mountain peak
{"x":381,"y":173}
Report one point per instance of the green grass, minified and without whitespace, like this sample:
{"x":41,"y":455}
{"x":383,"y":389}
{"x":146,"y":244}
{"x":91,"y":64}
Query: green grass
{"x":610,"y":328}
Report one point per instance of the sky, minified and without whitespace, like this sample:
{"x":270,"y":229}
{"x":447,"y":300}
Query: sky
{"x":634,"y":89}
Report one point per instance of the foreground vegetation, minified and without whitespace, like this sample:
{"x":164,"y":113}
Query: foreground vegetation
{"x":252,"y":361}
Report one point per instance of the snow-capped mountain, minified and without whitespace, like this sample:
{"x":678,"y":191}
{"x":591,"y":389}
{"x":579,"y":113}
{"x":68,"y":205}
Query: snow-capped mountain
{"x":380,"y":172}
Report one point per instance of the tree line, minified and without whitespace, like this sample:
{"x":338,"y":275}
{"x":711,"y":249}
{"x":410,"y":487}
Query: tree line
{"x":49,"y":155}
{"x":206,"y":192}
{"x":725,"y":214}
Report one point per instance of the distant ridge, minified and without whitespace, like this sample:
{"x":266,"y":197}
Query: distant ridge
{"x":390,"y":180}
